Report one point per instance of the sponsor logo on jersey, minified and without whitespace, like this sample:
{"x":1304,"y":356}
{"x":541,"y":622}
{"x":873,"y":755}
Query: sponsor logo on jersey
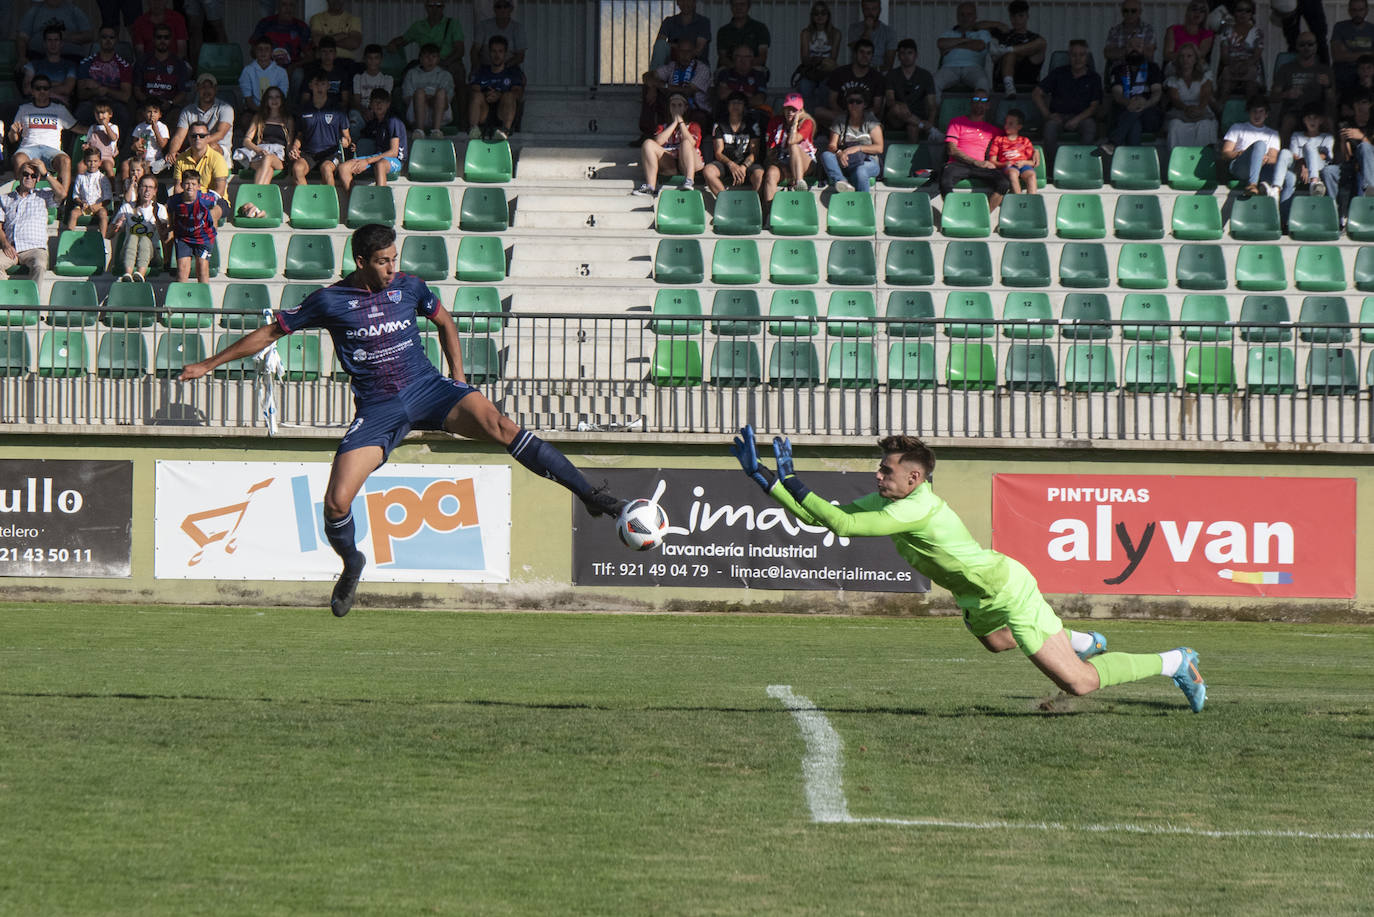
{"x":379,"y":329}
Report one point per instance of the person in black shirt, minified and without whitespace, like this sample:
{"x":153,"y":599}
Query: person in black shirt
{"x":911,"y":103}
{"x":858,"y":76}
{"x":736,"y":144}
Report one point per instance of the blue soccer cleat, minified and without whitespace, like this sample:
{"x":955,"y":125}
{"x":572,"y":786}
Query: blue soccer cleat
{"x":1189,"y":679}
{"x":1097,"y":649}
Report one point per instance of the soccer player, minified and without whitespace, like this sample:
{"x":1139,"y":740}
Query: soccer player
{"x":1001,"y":602}
{"x":370,"y":315}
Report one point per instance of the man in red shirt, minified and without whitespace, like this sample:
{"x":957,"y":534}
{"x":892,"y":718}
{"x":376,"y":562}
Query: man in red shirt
{"x":966,"y":142}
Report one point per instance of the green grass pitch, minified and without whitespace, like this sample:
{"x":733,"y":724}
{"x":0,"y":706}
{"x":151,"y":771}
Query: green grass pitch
{"x":260,"y":761}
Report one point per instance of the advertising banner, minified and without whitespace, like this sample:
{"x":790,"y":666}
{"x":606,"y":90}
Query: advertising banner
{"x":1179,"y":535}
{"x":725,"y":532}
{"x":65,"y":518}
{"x":264,"y":521}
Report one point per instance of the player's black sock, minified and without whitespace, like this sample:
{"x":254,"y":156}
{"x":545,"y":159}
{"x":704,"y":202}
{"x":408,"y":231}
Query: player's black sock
{"x":341,"y":535}
{"x":544,"y":459}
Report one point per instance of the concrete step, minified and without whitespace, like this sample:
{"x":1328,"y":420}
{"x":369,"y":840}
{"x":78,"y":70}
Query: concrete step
{"x":638,"y":268}
{"x":583,"y":161}
{"x":594,"y":198}
{"x":586,"y":221}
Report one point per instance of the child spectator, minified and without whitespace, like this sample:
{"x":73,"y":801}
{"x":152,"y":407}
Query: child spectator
{"x":132,"y":172}
{"x":268,"y":137}
{"x":388,"y":132}
{"x":336,"y":70}
{"x":194,"y":214}
{"x":427,"y":91}
{"x":103,"y":137}
{"x":91,"y":194}
{"x":1014,"y":154}
{"x":261,"y":74}
{"x":320,"y":131}
{"x":150,"y":139}
{"x":496,"y":90}
{"x":674,"y":148}
{"x":145,"y":224}
{"x":365,"y":81}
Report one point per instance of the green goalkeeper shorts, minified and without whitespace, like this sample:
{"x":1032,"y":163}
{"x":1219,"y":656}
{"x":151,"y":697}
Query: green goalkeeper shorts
{"x":1019,"y":607}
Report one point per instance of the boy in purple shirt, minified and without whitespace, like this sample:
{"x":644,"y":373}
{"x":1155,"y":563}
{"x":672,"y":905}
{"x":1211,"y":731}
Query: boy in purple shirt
{"x":194,"y":215}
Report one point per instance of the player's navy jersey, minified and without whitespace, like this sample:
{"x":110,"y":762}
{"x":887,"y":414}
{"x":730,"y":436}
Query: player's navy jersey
{"x":376,"y":339}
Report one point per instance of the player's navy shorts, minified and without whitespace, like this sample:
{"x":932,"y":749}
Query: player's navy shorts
{"x":385,"y":422}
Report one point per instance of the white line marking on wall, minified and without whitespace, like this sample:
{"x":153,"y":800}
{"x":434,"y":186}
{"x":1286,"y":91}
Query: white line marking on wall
{"x":823,"y":773}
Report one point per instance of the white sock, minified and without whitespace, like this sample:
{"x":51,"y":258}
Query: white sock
{"x":1173,"y":661}
{"x":1008,"y":84}
{"x":1080,"y":641}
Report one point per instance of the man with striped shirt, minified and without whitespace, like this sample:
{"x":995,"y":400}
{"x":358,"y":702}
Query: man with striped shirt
{"x":24,"y":222}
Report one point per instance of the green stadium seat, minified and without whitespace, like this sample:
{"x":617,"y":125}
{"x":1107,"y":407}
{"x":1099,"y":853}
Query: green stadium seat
{"x":430,"y":209}
{"x":1197,"y":218}
{"x":1079,"y":216}
{"x":910,"y":304}
{"x":1260,"y":267}
{"x":793,"y":313}
{"x":1138,"y":217}
{"x":1135,"y":168}
{"x":267,"y":198}
{"x":242,"y":305}
{"x":80,"y":253}
{"x":735,"y":313}
{"x":851,"y":304}
{"x":1079,"y":314}
{"x":676,"y":261}
{"x":1313,"y":219}
{"x":1255,"y":219}
{"x":1317,"y":316}
{"x":677,"y":212}
{"x":1232,"y":112}
{"x":225,"y":61}
{"x":676,"y":362}
{"x":737,"y":213}
{"x":676,"y":302}
{"x":909,"y":264}
{"x":72,"y":304}
{"x":1271,"y":370}
{"x":1319,"y":269}
{"x":951,"y":107}
{"x":1025,"y":264}
{"x":293,"y":294}
{"x":1149,"y":309}
{"x":968,"y":315}
{"x":129,"y":305}
{"x":481,"y":360}
{"x":314,"y":207}
{"x":1332,"y":371}
{"x":1089,"y":368}
{"x":1077,"y":168}
{"x":1192,"y":168}
{"x":1031,"y":368}
{"x":477,"y":310}
{"x":850,"y":213}
{"x":244,"y":367}
{"x":1209,"y":369}
{"x":794,"y":214}
{"x":63,"y":354}
{"x":1366,"y":318}
{"x":433,"y":161}
{"x":968,"y":264}
{"x":1364,"y":269}
{"x":971,"y":365}
{"x":16,"y":294}
{"x":1022,"y":216}
{"x":425,"y":256}
{"x":1084,"y":265}
{"x":487,"y":162}
{"x":1141,"y":266}
{"x":736,"y":364}
{"x":188,"y":305}
{"x":966,"y":216}
{"x":898,"y":161}
{"x":794,"y":262}
{"x":1149,"y":368}
{"x":794,"y":364}
{"x":15,"y":356}
{"x":1034,"y":310}
{"x":1360,"y":221}
{"x":851,"y":364}
{"x":1265,"y":310}
{"x":907,"y":215}
{"x":300,"y":357}
{"x":736,"y":261}
{"x":309,"y":256}
{"x":175,"y":349}
{"x":851,"y":263}
{"x":482,"y":259}
{"x":370,"y":204}
{"x":911,"y":365}
{"x":253,"y":255}
{"x":436,"y":357}
{"x":1201,"y":267}
{"x":1212,"y":314}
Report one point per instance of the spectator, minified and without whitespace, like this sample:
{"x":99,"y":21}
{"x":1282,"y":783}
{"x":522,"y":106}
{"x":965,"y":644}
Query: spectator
{"x":1137,"y":90}
{"x":495,"y":93}
{"x":289,"y":35}
{"x":77,"y":34}
{"x":859,"y":76}
{"x":194,"y":214}
{"x":144,"y":30}
{"x":674,"y":149}
{"x":1364,"y":84}
{"x":1302,"y":83}
{"x":204,"y":18}
{"x":1310,"y":151}
{"x":263,"y":73}
{"x":683,"y":72}
{"x":1014,"y":154}
{"x":735,"y":142}
{"x":367,"y":81}
{"x":337,"y":23}
{"x":59,"y":71}
{"x":112,"y":10}
{"x":146,"y":229}
{"x":820,"y":48}
{"x":91,"y":194}
{"x":427,"y":92}
{"x":435,"y":29}
{"x":1069,"y":97}
{"x":1191,"y":119}
{"x":162,"y":75}
{"x":1023,"y":51}
{"x":790,"y":149}
{"x":1120,"y":35}
{"x":687,"y":24}
{"x":268,"y":137}
{"x":966,"y":142}
{"x":38,"y":127}
{"x":210,"y":110}
{"x":388,"y":133}
{"x":1250,"y":150}
{"x":500,"y":24}
{"x":1192,"y":31}
{"x":24,"y":222}
{"x":1351,"y":38}
{"x":336,"y":71}
{"x":103,"y":137}
{"x":1354,"y":168}
{"x":105,"y":77}
{"x":854,"y":156}
{"x":742,"y":30}
{"x":150,"y":139}
{"x":321,"y":131}
{"x":1313,"y":12}
{"x":1242,"y":54}
{"x":203,"y":158}
{"x":869,"y":26}
{"x":745,"y":78}
{"x":964,"y":54}
{"x":911,"y":104}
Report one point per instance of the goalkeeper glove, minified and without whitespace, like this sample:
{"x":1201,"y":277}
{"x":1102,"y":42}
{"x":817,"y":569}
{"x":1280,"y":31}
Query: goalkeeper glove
{"x":745,"y":451}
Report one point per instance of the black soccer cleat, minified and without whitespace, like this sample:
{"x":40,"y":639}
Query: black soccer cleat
{"x":601,"y":502}
{"x":346,"y":589}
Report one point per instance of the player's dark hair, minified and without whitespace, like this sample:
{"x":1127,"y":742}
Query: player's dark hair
{"x":863,"y":43}
{"x":1018,"y":6}
{"x":429,"y":48}
{"x":498,"y":40}
{"x":370,"y":239}
{"x":53,"y":29}
{"x":907,"y":43}
{"x":380,"y":95}
{"x":1256,"y":101}
{"x":327,"y":42}
{"x":1016,"y":113}
{"x":912,"y":450}
{"x":373,"y":49}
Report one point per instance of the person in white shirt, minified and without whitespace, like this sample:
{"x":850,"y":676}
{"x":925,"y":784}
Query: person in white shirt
{"x":1308,"y":153}
{"x":147,"y":226}
{"x":24,"y":215}
{"x":213,"y":112}
{"x":38,"y":127}
{"x":91,"y":194}
{"x":1251,"y":150}
{"x":964,"y":54}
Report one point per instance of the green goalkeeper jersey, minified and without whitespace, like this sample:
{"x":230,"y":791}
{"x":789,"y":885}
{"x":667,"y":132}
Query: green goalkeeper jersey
{"x":928,"y":534}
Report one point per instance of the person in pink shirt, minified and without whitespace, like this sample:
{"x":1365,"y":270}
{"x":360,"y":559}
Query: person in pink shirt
{"x":966,"y":143}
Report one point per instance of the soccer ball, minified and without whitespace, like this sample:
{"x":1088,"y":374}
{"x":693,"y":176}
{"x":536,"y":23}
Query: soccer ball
{"x":641,"y":525}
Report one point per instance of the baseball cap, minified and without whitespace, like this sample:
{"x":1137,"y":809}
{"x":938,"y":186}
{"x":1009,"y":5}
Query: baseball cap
{"x":793,"y":100}
{"x":207,"y":78}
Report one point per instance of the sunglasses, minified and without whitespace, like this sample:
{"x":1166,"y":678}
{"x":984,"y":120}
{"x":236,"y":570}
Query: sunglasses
{"x":199,"y":136}
{"x":979,"y":99}
{"x":33,"y":175}
{"x":1307,"y":44}
{"x":854,"y":101}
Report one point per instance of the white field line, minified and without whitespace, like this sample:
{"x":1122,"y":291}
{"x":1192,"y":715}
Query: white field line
{"x":823,"y":771}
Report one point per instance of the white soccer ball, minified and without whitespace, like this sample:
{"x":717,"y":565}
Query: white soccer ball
{"x":641,"y":525}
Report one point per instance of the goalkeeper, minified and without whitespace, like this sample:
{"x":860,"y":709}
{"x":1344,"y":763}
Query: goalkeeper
{"x":1001,"y":602}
